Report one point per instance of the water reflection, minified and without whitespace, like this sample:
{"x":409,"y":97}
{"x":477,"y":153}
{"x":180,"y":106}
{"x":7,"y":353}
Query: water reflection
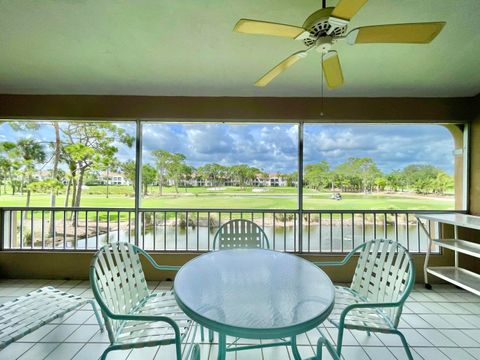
{"x":316,"y":237}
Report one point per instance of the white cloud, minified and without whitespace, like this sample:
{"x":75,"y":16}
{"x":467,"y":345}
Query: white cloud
{"x":273,"y":147}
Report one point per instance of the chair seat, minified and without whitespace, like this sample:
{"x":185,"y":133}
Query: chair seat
{"x":27,"y":313}
{"x":157,"y":304}
{"x":362,"y":318}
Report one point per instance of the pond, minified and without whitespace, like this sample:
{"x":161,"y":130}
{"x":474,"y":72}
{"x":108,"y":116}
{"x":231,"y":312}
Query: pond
{"x":316,"y":238}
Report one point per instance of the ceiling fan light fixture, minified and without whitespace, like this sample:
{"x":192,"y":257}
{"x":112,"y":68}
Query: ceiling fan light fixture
{"x":324,"y":44}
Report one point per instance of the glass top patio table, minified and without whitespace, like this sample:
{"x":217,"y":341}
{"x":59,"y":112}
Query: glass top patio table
{"x":254,"y":293}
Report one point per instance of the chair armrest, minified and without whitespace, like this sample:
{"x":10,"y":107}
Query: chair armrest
{"x":344,"y":261}
{"x":370,"y":305}
{"x":156,"y":265}
{"x":329,"y":263}
{"x":166,"y":267}
{"x":366,"y":305}
{"x":147,"y":318}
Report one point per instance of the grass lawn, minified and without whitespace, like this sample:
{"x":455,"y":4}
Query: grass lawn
{"x":233,"y":197}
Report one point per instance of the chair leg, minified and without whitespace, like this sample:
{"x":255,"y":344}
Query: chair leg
{"x":322,"y":340}
{"x":105,"y":353}
{"x":178,"y":348}
{"x":340,"y":340}
{"x":195,"y":352}
{"x":210,"y":336}
{"x":369,"y":333}
{"x":97,"y":315}
{"x":202,"y":335}
{"x":405,"y":345}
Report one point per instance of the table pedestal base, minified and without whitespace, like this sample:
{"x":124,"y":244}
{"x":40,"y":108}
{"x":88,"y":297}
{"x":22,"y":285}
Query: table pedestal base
{"x":223,"y":349}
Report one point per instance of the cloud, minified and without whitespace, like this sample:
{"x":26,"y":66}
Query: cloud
{"x":391,"y":146}
{"x":208,"y":140}
{"x":273,"y":147}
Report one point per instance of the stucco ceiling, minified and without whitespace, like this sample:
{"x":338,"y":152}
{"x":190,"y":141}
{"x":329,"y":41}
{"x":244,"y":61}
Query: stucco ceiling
{"x":187,"y":47}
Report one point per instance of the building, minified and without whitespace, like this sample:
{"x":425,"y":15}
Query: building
{"x":113,"y":178}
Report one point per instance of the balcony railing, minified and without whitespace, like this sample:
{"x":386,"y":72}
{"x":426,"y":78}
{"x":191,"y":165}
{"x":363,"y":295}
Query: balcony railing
{"x":180,"y":230}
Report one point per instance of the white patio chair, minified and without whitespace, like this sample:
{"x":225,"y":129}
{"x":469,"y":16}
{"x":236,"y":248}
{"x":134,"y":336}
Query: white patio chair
{"x":234,"y":234}
{"x":134,"y":316}
{"x":383,"y":279}
{"x":240,"y":233}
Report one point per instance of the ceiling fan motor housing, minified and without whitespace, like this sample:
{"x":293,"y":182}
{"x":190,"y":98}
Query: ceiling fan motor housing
{"x":324,"y":44}
{"x":318,"y":26}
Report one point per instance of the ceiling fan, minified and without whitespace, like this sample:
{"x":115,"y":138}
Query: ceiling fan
{"x":322,"y":29}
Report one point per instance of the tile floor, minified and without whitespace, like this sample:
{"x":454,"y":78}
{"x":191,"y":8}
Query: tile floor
{"x":439,"y":324}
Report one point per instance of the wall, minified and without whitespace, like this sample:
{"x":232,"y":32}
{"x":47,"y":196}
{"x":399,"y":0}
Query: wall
{"x":235,"y":108}
{"x":475,"y":160}
{"x":474,"y":193}
{"x":69,"y":265}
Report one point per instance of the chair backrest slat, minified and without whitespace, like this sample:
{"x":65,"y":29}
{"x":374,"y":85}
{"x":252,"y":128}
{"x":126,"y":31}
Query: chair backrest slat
{"x":384,"y":273}
{"x":240,"y":233}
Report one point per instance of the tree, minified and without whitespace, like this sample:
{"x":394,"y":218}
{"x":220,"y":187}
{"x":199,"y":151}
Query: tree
{"x":367,"y":170}
{"x":57,"y":146}
{"x":88,"y":145}
{"x":4,"y":166}
{"x":443,"y":182}
{"x":49,"y":185}
{"x":108,"y":163}
{"x":71,"y":176}
{"x":380,"y":183}
{"x":244,"y":173}
{"x":175,"y":168}
{"x":292,"y":178}
{"x":10,"y":163}
{"x":162,"y":157}
{"x":396,"y":180}
{"x":358,"y":173}
{"x":149,"y":175}
{"x":212,"y":172}
{"x":341,"y":177}
{"x":186,"y":174}
{"x":171,"y":165}
{"x":128,"y":168}
{"x":421,"y":177}
{"x":31,"y":152}
{"x":317,"y":176}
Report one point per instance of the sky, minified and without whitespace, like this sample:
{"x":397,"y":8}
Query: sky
{"x":273,"y":147}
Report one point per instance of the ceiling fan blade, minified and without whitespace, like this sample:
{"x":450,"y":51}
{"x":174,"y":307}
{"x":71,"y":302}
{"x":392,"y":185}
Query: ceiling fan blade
{"x":415,"y":33}
{"x":277,"y":70}
{"x":346,"y":9}
{"x":332,"y":69}
{"x":248,"y":26}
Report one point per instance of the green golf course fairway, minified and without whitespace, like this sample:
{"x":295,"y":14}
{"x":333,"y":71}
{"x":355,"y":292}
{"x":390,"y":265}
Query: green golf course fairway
{"x":234,"y":197}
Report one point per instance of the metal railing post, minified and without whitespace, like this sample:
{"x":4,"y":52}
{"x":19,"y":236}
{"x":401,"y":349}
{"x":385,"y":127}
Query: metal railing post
{"x":2,"y":229}
{"x":300,"y":187}
{"x":138,"y":180}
